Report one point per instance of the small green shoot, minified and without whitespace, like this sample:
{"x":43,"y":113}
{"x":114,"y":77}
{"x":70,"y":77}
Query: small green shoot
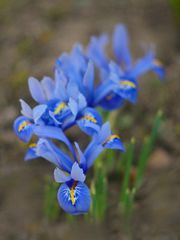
{"x":147,"y":149}
{"x":51,"y":207}
{"x":99,"y":194}
{"x":127,"y":165}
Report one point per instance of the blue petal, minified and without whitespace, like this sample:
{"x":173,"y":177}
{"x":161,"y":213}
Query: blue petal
{"x":68,"y":66}
{"x":54,"y":133}
{"x":31,"y":152}
{"x":73,"y":105}
{"x":75,"y":198}
{"x":48,"y":86}
{"x":45,"y":151}
{"x":114,"y":142}
{"x":60,"y":177}
{"x":38,"y":111}
{"x":36,"y":90}
{"x":112,"y":101}
{"x":104,"y":90}
{"x":82,"y":159}
{"x":23,"y":128}
{"x":78,"y":58}
{"x":127,"y":90}
{"x":158,"y":69}
{"x":50,"y":152}
{"x":60,"y":110}
{"x":104,"y":133}
{"x":121,"y":45}
{"x":115,"y":68}
{"x":60,"y":86}
{"x":90,"y":121}
{"x":72,"y":89}
{"x":77,"y":173}
{"x":26,"y":109}
{"x":92,"y":153}
{"x":144,"y":65}
{"x":88,"y":80}
{"x":82,"y":103}
{"x":96,"y":51}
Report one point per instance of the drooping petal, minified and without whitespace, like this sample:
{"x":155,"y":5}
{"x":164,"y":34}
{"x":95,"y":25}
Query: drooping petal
{"x":50,"y":132}
{"x":31,"y":152}
{"x":112,"y":101}
{"x":50,"y":152}
{"x":77,"y":173}
{"x":45,"y":151}
{"x":121,"y":45}
{"x":75,"y":198}
{"x":23,"y":128}
{"x":127,"y":90}
{"x":103,"y":90}
{"x":145,"y":64}
{"x":158,"y":68}
{"x":36,"y":90}
{"x":60,"y":176}
{"x":54,"y":133}
{"x":26,"y":109}
{"x":90,"y":121}
{"x":114,"y":142}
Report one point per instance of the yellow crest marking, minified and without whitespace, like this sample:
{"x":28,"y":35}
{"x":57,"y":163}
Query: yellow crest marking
{"x":127,"y":83}
{"x":32,"y":145}
{"x":23,"y":125}
{"x":72,"y":196}
{"x":112,"y":137}
{"x":72,"y":193}
{"x":59,"y":107}
{"x":90,"y":118}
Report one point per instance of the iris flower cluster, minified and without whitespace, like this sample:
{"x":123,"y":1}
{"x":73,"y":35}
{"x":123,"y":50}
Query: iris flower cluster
{"x":70,"y":98}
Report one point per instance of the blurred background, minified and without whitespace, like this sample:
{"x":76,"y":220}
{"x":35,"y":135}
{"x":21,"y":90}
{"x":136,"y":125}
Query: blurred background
{"x":33,"y":35}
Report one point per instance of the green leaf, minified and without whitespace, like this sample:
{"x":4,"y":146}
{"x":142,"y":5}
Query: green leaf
{"x":147,"y":149}
{"x":51,"y":208}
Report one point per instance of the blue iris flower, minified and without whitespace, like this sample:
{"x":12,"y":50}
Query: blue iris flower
{"x":61,"y":105}
{"x":77,"y":67}
{"x":70,"y":98}
{"x":73,"y":195}
{"x":119,"y":76}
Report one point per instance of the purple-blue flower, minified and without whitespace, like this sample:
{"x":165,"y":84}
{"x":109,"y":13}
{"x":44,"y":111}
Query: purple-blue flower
{"x":73,"y":194}
{"x":119,"y":76}
{"x":70,"y":98}
{"x":60,"y":105}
